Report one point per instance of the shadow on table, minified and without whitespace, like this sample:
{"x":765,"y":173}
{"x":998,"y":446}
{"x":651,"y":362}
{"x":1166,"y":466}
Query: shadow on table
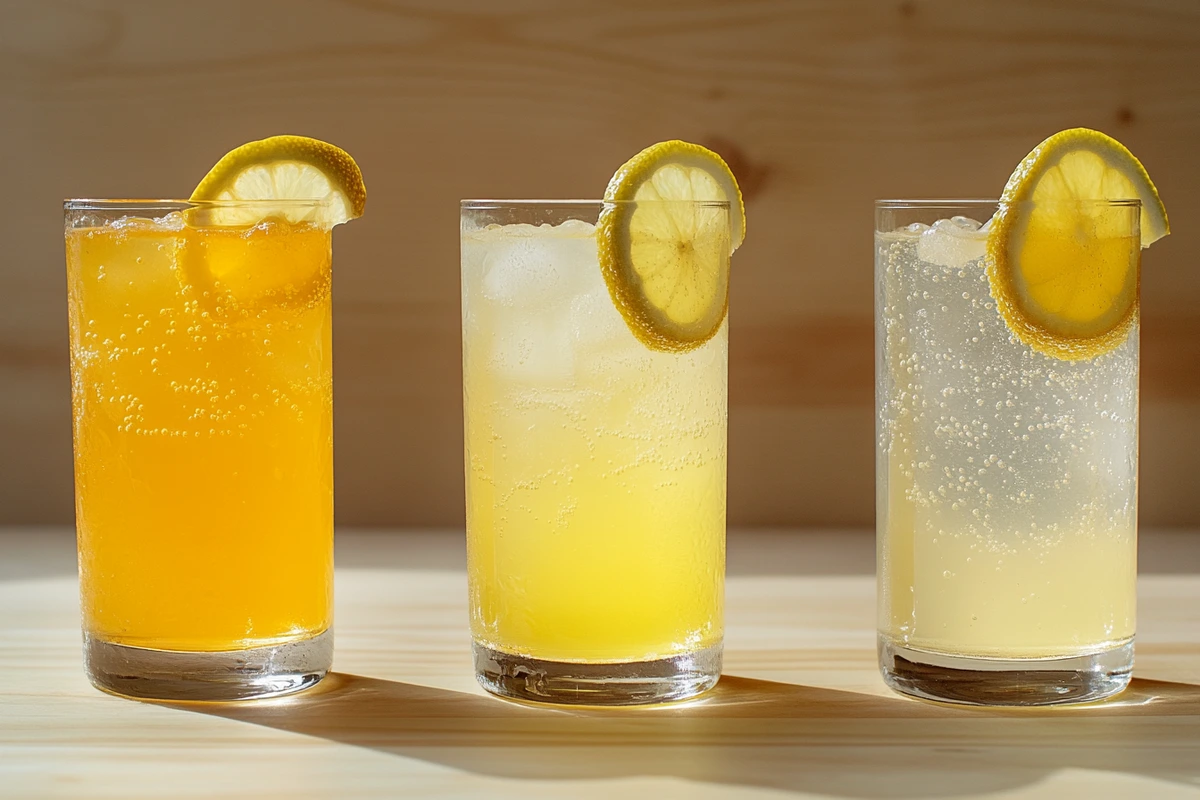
{"x":757,"y":733}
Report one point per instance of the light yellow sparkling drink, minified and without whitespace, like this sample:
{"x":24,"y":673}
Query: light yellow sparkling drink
{"x":1007,"y":420}
{"x":596,"y":467}
{"x":595,"y":352}
{"x":595,"y":471}
{"x":1008,"y":501}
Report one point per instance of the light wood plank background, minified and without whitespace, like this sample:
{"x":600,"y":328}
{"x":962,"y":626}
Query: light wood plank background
{"x":820,"y":107}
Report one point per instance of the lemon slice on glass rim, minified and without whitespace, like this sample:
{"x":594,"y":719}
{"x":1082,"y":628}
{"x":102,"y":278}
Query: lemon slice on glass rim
{"x":288,"y":169}
{"x":241,"y":267}
{"x":1064,"y":261}
{"x":673,"y":216}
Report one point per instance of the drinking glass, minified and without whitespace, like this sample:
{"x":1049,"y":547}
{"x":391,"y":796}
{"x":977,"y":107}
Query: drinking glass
{"x":202,"y":399}
{"x":1006,"y":478}
{"x":595,"y":473}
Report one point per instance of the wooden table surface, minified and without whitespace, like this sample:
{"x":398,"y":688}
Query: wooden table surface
{"x":801,"y":711}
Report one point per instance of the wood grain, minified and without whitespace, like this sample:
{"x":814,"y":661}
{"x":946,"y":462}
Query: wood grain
{"x":820,"y":106}
{"x":800,"y":711}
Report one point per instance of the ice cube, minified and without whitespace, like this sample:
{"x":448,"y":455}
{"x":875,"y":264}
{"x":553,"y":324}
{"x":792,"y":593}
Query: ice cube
{"x":577,"y":227}
{"x":965,"y":223}
{"x":951,"y":244}
{"x":595,"y":320}
{"x":517,"y":272}
{"x":173,"y":221}
{"x":533,"y":349}
{"x":528,"y":267}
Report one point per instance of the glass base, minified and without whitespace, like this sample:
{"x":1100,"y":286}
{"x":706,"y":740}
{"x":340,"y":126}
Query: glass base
{"x":207,"y":676}
{"x":604,"y":684}
{"x":1005,"y":682}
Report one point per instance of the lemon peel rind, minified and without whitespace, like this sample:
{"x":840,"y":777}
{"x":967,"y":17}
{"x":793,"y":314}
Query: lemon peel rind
{"x":337,"y":164}
{"x":612,"y":237}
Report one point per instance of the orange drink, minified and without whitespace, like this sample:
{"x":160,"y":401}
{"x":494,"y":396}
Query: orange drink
{"x":203,"y":419}
{"x":202,"y":389}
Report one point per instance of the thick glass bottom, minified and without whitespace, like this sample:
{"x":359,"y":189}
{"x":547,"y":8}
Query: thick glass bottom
{"x":207,"y":676}
{"x":603,"y":684}
{"x":1005,"y":682}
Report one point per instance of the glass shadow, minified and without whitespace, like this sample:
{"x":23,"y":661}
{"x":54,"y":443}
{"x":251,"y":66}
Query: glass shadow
{"x":756,"y":733}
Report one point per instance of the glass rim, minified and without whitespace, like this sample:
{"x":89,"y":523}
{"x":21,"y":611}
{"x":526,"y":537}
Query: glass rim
{"x":486,"y":204}
{"x":140,"y":204}
{"x":964,"y":202}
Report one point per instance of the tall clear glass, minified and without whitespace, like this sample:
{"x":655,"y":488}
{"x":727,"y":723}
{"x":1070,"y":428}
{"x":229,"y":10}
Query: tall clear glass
{"x":1006,"y":479}
{"x":201,"y":367}
{"x":595,"y":472}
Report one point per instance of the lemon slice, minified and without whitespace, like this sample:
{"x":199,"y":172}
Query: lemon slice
{"x":674,"y":217}
{"x":1064,"y":258}
{"x":299,"y":187}
{"x":247,"y":271}
{"x":285,"y":168}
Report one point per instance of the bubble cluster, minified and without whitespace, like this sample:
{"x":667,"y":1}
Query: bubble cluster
{"x":977,"y":421}
{"x":155,"y":355}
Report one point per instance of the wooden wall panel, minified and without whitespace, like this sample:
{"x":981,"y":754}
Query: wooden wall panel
{"x":820,"y":106}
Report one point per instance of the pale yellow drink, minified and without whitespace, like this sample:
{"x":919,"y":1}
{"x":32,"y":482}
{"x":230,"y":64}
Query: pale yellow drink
{"x":595,"y":466}
{"x":1006,"y":407}
{"x":1007,"y":478}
